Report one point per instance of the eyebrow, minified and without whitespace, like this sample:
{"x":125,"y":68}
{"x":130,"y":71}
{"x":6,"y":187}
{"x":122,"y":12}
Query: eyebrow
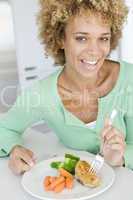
{"x":84,"y":33}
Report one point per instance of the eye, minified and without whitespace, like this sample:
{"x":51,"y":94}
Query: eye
{"x":105,"y":39}
{"x":81,"y":38}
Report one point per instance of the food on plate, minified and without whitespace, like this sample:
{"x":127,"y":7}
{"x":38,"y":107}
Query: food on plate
{"x":69,"y":183}
{"x":83,"y":175}
{"x":59,"y":188}
{"x":69,"y":163}
{"x":65,"y":173}
{"x":58,"y":183}
{"x":72,"y":167}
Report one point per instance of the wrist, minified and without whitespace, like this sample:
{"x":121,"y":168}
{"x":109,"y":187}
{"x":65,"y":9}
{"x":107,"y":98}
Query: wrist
{"x":14,"y":147}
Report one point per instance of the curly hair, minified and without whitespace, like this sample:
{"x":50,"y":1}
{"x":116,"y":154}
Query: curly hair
{"x":54,"y":15}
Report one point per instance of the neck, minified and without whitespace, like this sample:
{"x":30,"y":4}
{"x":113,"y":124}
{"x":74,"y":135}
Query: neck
{"x":80,"y":83}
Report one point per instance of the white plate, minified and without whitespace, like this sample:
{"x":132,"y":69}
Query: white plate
{"x":32,"y":182}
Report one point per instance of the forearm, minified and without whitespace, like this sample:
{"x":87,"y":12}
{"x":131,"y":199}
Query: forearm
{"x":13,"y":124}
{"x":8,"y":139}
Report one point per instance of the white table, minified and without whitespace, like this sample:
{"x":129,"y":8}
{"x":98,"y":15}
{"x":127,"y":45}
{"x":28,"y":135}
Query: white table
{"x":45,"y":145}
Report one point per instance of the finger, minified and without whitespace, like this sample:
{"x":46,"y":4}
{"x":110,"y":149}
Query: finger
{"x":106,"y":130}
{"x":116,"y":139}
{"x":33,"y":156}
{"x":29,"y":152}
{"x":18,"y":151}
{"x":120,"y":134}
{"x":109,"y":134}
{"x":23,"y":154}
{"x":21,"y":167}
{"x":18,"y":166}
{"x":107,"y":122}
{"x":117,"y":147}
{"x":25,"y":167}
{"x":114,"y":132}
{"x":26,"y":157}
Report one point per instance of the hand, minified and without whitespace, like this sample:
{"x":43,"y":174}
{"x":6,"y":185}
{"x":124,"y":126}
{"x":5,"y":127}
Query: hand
{"x":21,"y":159}
{"x":113,"y":145}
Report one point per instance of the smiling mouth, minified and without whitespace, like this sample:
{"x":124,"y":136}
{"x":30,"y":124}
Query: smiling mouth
{"x":91,"y":65}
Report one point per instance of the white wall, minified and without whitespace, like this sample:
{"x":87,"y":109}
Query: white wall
{"x":8,"y":68}
{"x":28,"y":48}
{"x":6,"y":27}
{"x":126,"y":45}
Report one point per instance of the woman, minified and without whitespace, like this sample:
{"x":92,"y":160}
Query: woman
{"x":76,"y":100}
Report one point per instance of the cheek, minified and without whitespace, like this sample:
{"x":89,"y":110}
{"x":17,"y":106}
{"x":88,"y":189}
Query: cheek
{"x":69,"y":55}
{"x":72,"y":51}
{"x":105,"y":50}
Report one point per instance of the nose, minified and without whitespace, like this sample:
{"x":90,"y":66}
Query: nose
{"x":93,"y":47}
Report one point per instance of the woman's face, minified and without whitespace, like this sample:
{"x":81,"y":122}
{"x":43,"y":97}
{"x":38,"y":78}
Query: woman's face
{"x":86,"y":44}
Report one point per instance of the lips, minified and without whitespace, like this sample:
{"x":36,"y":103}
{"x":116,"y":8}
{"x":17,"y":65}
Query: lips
{"x":94,"y":62}
{"x":90,"y":64}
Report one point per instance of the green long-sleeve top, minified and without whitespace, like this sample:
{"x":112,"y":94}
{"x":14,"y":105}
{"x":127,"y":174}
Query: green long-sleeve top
{"x":42,"y":102}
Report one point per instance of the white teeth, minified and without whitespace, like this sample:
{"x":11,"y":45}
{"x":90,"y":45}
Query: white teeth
{"x":90,"y":62}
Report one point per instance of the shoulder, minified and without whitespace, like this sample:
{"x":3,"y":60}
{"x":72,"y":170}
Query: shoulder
{"x":41,"y":84}
{"x":125,"y":69}
{"x":127,"y":78}
{"x":50,"y":79}
{"x":121,"y":63}
{"x":47,"y":86}
{"x":127,"y":72}
{"x":127,"y":66}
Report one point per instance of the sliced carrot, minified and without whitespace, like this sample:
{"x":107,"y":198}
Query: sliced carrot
{"x":58,"y":183}
{"x":46,"y":181}
{"x":58,"y":180}
{"x":59,"y":187}
{"x":47,"y":188}
{"x":65,"y":173}
{"x":52,"y":179}
{"x":69,"y":183}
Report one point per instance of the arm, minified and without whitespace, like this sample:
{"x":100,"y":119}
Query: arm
{"x":129,"y":142}
{"x":113,"y":145}
{"x":23,"y":114}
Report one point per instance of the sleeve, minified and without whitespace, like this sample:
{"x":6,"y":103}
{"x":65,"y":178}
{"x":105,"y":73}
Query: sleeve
{"x":23,"y":114}
{"x":129,"y":142}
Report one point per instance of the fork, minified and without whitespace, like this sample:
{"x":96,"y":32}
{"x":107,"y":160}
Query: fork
{"x":98,"y":161}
